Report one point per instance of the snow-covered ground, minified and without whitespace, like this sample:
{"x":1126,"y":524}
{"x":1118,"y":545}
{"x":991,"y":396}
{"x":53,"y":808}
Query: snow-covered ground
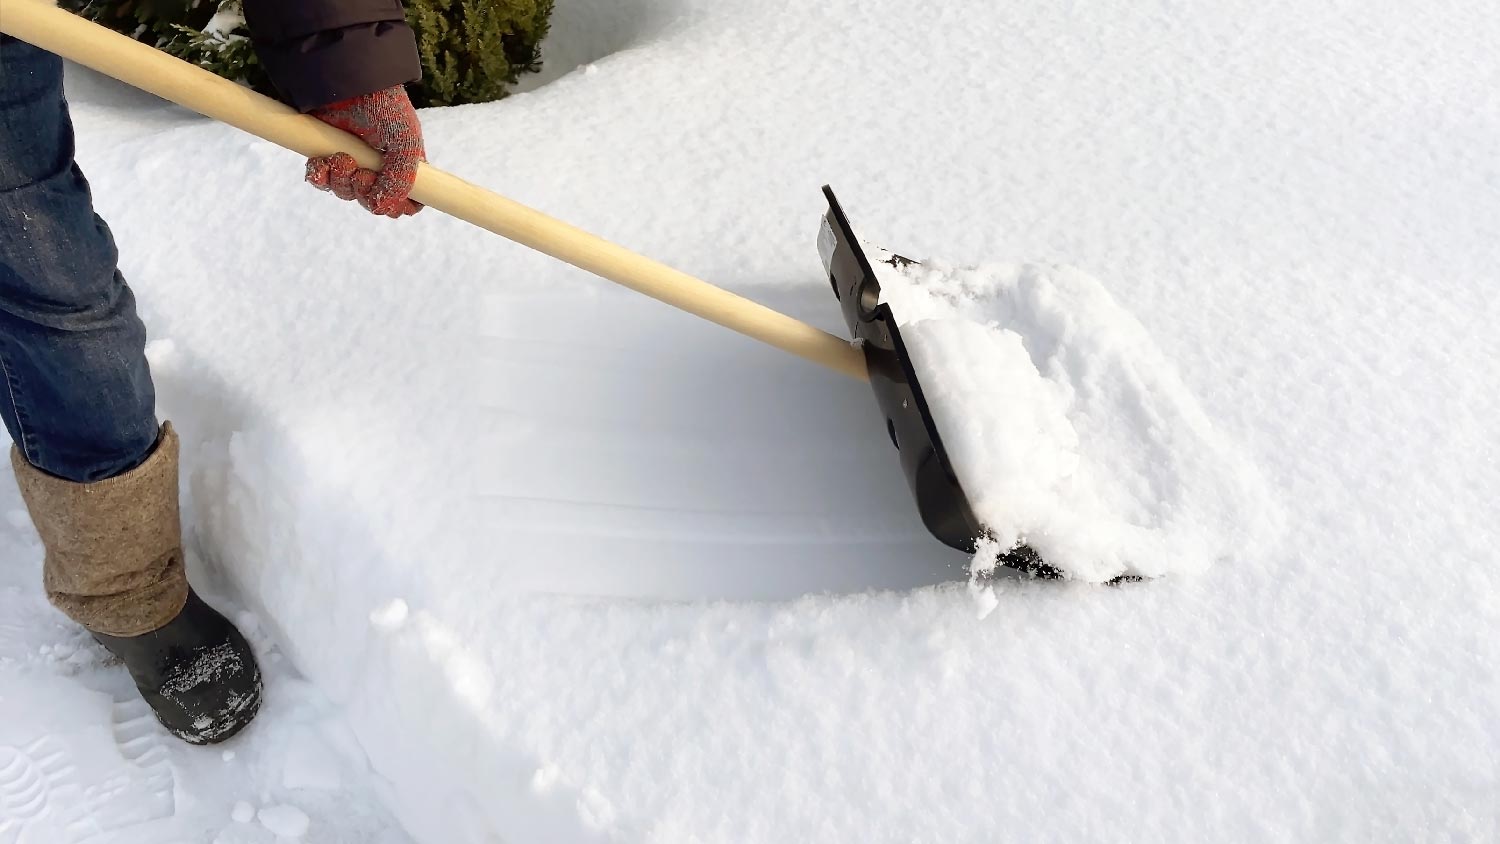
{"x":557,"y":563}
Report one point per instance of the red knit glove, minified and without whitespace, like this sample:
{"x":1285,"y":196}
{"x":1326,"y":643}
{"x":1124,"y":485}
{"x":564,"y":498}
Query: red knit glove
{"x":386,"y":121}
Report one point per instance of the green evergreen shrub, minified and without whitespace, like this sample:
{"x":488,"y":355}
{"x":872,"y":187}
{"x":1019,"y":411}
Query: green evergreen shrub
{"x":472,"y":50}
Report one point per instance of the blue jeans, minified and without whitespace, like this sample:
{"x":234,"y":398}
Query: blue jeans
{"x":77,"y":395}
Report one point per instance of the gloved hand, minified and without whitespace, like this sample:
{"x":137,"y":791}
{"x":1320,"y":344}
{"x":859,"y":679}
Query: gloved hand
{"x":386,"y":121}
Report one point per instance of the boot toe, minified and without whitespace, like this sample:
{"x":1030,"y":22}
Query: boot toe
{"x":212,"y":696}
{"x":198,"y":673}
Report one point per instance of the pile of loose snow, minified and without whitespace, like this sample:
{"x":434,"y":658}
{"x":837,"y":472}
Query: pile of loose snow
{"x":1069,"y":429}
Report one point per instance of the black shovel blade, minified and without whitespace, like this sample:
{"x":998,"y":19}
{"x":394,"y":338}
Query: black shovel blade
{"x":941,"y":502}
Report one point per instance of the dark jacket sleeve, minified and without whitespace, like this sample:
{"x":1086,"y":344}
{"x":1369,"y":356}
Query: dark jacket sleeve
{"x":321,"y":51}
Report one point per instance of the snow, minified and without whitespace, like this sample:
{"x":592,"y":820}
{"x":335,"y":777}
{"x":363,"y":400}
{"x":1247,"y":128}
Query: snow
{"x":391,"y":616}
{"x":1068,"y":429}
{"x":284,"y":821}
{"x":83,"y":760}
{"x":311,"y":764}
{"x":661,"y":584}
{"x":224,"y":22}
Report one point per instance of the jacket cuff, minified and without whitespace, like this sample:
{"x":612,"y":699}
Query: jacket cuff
{"x":327,"y":67}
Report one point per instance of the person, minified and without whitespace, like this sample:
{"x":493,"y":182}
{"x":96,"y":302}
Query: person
{"x":98,"y":473}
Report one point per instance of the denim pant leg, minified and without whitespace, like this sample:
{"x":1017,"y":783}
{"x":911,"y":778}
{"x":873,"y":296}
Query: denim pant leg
{"x":77,"y":395}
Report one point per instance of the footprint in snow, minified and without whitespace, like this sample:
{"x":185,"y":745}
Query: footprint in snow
{"x":81,"y":770}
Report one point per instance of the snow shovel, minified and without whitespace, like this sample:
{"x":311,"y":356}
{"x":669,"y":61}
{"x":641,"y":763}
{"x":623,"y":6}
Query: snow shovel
{"x":877,"y":355}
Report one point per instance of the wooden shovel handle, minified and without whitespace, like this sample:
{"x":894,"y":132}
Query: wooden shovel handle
{"x":44,"y":25}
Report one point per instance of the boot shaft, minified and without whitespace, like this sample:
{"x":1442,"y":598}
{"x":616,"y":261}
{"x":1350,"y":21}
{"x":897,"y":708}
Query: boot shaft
{"x":114,"y":560}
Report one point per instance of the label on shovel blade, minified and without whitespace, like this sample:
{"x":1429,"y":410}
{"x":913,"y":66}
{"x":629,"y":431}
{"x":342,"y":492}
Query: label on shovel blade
{"x":827,"y":242}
